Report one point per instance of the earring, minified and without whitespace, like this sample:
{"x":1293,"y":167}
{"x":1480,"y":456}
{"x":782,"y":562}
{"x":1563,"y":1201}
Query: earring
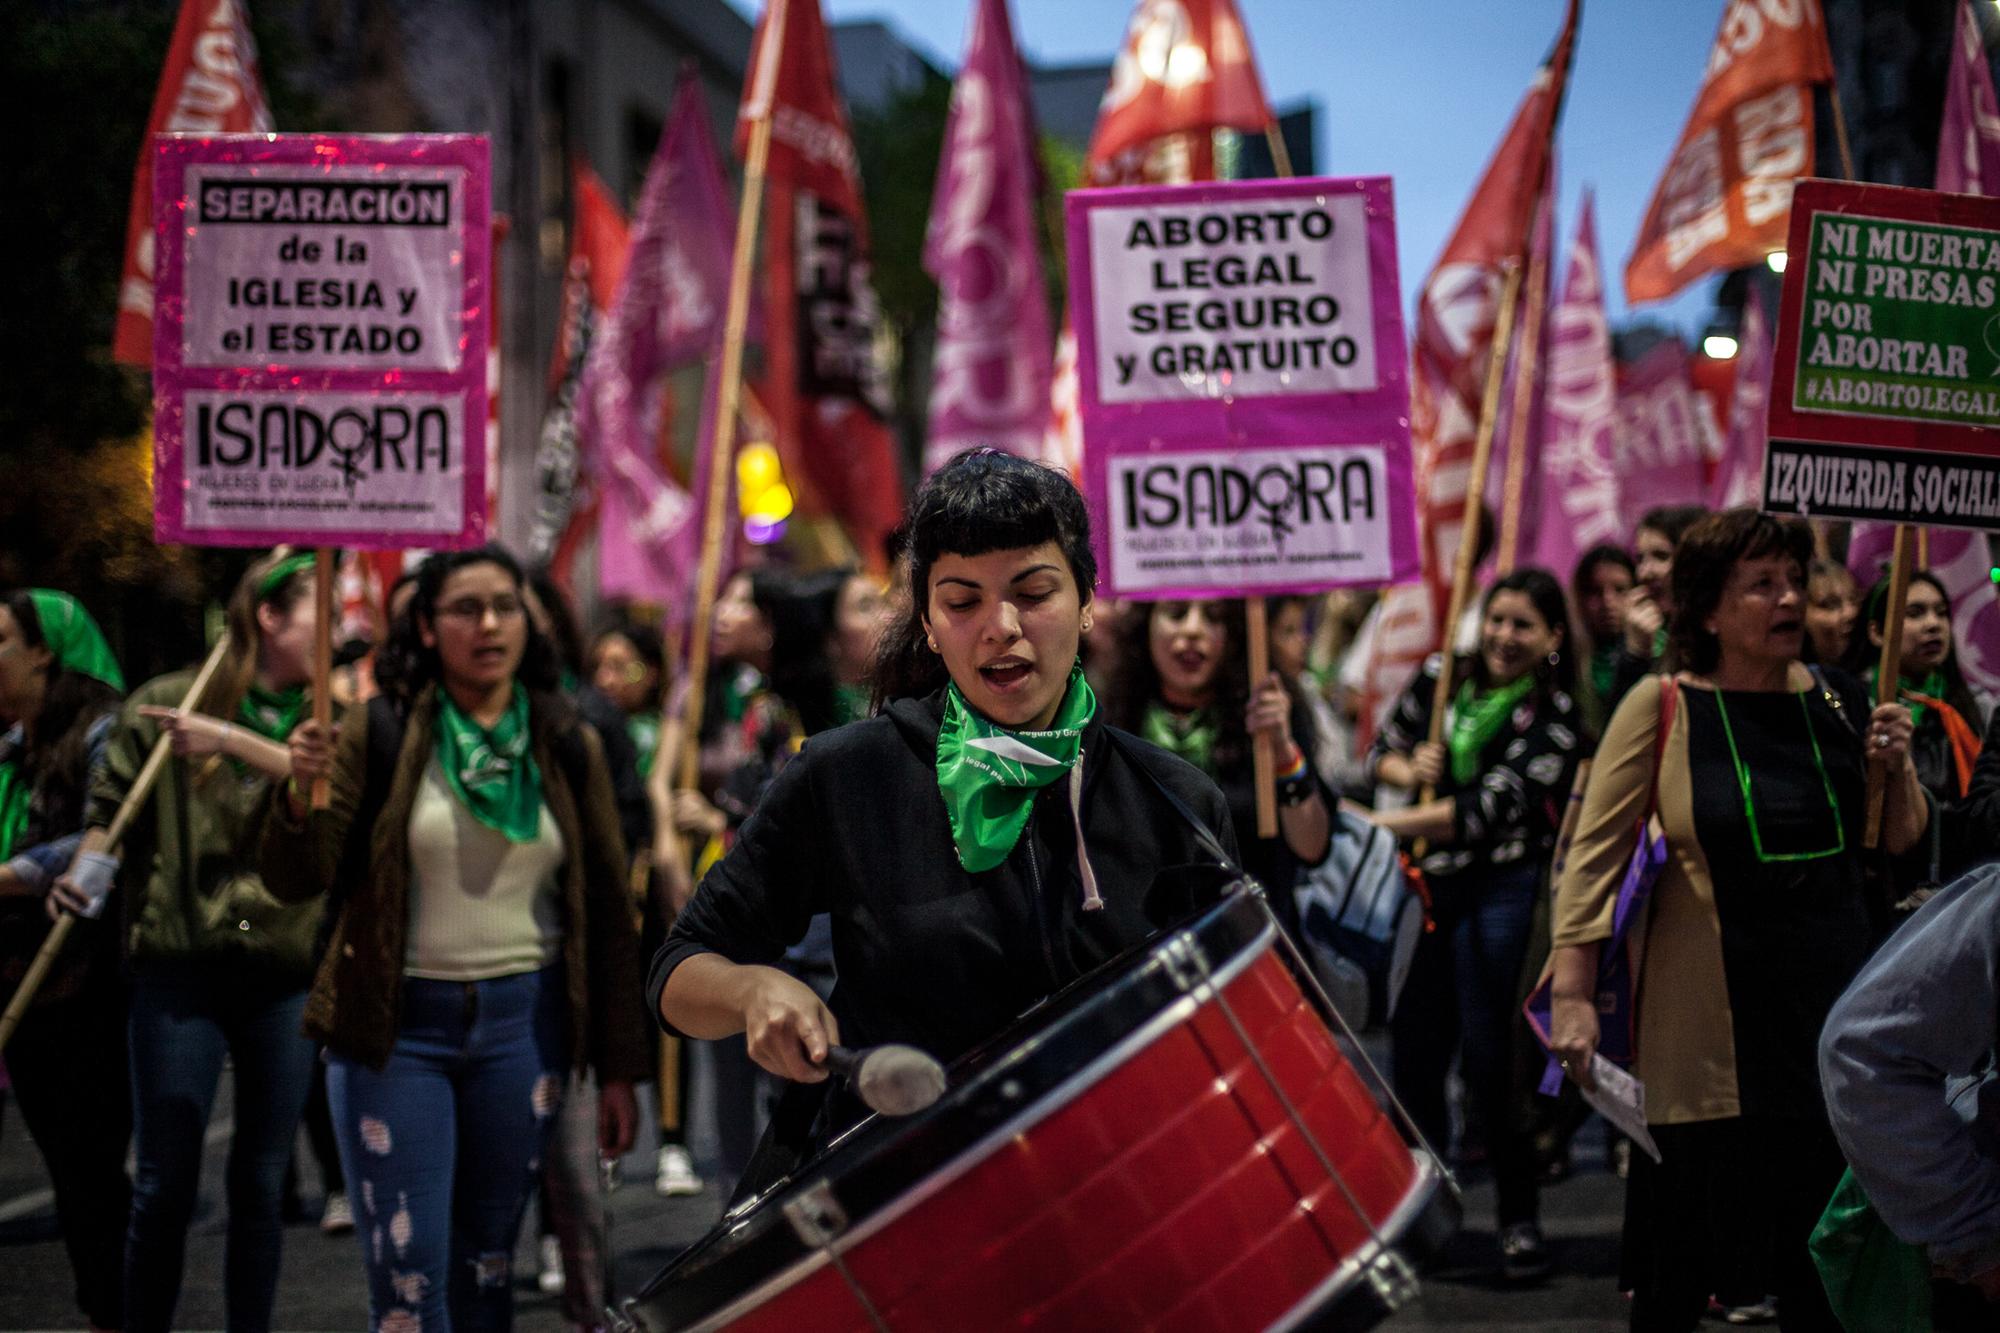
{"x":1555,"y":656}
{"x":932,"y":643}
{"x":1086,"y":624}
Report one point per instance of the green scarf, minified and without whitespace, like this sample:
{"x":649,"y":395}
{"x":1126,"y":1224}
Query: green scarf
{"x":989,"y":774}
{"x":1476,"y":718}
{"x":644,"y":729}
{"x":14,"y":795}
{"x":272,"y":713}
{"x":1604,"y":670}
{"x":73,"y":637}
{"x":493,"y":771}
{"x":850,"y":704}
{"x":1189,"y":736}
{"x":1931,"y":687}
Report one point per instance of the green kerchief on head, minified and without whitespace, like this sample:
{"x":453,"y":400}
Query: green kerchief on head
{"x":74,"y":638}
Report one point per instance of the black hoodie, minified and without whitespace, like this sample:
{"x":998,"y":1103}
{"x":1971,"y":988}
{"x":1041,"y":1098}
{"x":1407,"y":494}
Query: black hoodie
{"x":926,"y":952}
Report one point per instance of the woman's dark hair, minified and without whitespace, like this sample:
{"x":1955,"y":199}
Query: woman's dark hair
{"x":982,"y":500}
{"x":407,"y":666}
{"x":565,"y":635}
{"x":1706,"y":554}
{"x":1672,"y":521}
{"x":1604,"y":553}
{"x":56,"y":759}
{"x":800,"y":609}
{"x":1545,"y":593}
{"x":1862,"y":656}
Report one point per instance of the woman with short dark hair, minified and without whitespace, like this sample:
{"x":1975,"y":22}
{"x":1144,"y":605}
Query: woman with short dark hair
{"x":963,"y":885}
{"x":1756,"y":923}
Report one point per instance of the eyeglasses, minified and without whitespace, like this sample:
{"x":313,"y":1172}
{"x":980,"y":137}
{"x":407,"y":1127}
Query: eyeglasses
{"x":475,"y":609}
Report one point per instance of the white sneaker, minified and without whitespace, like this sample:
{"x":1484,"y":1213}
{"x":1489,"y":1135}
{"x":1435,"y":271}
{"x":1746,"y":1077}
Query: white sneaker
{"x":676,"y":1175}
{"x":551,"y":1280}
{"x":338,"y":1217}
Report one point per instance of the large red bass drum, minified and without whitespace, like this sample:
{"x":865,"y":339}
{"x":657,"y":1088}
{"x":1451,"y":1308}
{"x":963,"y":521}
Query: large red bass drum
{"x":1178,"y":1141}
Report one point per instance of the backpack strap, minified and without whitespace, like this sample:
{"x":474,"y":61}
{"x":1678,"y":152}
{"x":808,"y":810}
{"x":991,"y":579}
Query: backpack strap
{"x":1670,"y":701}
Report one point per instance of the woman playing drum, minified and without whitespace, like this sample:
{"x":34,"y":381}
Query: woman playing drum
{"x":981,"y":842}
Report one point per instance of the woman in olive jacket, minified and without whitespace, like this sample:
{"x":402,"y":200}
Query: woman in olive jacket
{"x":481,"y":945}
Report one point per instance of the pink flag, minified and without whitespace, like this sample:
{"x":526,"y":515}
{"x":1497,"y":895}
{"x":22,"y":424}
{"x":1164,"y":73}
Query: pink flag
{"x":993,"y":367}
{"x":667,"y":313}
{"x":1968,"y":162}
{"x":1968,"y":159}
{"x":1739,"y":476}
{"x":1575,"y":498}
{"x":1666,"y":434}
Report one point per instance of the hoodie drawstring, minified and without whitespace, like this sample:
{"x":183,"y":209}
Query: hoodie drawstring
{"x":1092,"y":900}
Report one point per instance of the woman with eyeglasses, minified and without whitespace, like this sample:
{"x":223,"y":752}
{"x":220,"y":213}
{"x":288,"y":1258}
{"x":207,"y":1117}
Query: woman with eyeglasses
{"x":1757,"y":922}
{"x":481,"y":949}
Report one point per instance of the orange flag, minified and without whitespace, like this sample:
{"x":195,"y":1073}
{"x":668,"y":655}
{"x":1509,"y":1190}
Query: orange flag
{"x":1726,"y":197}
{"x":1185,"y":67}
{"x":209,"y":85}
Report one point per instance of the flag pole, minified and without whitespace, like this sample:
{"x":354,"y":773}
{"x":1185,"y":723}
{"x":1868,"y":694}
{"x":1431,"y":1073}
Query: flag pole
{"x":121,"y":822}
{"x":1524,"y":397}
{"x":1475,"y":491}
{"x":722,"y":454}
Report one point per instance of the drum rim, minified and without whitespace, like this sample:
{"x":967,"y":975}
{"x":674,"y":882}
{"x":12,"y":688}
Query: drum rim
{"x":1430,"y":1181}
{"x":1164,"y":955}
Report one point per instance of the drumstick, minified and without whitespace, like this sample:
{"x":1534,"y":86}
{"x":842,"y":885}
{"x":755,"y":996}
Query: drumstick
{"x":890,"y":1080}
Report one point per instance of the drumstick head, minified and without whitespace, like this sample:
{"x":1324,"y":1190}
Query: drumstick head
{"x":899,"y":1080}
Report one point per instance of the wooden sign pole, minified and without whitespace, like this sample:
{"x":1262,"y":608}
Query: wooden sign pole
{"x":1890,"y":668}
{"x":322,"y":681}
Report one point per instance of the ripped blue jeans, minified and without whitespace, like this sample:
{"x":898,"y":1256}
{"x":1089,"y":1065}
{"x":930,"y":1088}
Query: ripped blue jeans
{"x":441,"y":1146}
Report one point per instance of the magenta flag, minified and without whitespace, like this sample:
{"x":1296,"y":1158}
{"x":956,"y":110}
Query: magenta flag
{"x":1968,"y":159}
{"x":668,"y":312}
{"x":1968,"y":162}
{"x":1576,"y":492}
{"x":995,"y":347}
{"x":1739,"y":475}
{"x":1666,"y":434}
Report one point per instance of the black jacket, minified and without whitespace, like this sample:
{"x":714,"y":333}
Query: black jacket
{"x":927,"y":953}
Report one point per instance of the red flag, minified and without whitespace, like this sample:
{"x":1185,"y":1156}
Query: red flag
{"x":565,"y":507}
{"x":1185,"y":67}
{"x":793,"y":83}
{"x":824,"y":384}
{"x":1726,"y":197}
{"x":1456,"y":316}
{"x":209,"y":85}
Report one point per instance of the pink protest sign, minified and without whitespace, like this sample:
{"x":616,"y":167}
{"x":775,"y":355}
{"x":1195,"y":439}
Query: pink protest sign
{"x":1246,"y":403}
{"x":320,"y":339}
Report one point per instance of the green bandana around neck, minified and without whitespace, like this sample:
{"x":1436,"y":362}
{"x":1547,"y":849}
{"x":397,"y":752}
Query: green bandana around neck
{"x":1189,"y":736}
{"x":644,"y":729}
{"x":492,"y":770}
{"x":272,"y":714}
{"x":1604,"y":670}
{"x":14,"y":795}
{"x":1931,"y":687}
{"x":1476,"y":718}
{"x":989,"y":774}
{"x":74,"y":639}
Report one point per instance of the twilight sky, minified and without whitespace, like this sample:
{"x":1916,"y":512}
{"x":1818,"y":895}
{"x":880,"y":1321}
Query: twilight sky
{"x":1420,"y":90}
